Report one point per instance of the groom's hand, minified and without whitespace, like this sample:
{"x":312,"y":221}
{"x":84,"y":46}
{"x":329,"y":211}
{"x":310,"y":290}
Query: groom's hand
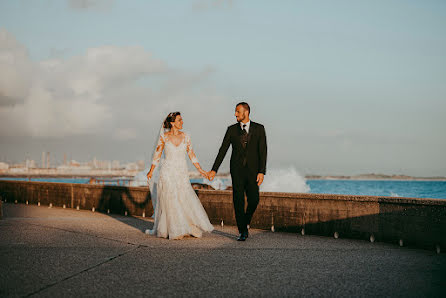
{"x":260,"y":177}
{"x":211,"y":175}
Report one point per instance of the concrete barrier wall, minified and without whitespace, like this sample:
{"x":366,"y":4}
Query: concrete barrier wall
{"x":113,"y":199}
{"x":418,"y":222}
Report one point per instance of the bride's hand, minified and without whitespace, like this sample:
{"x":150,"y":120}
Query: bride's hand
{"x":204,"y":173}
{"x":149,"y":175}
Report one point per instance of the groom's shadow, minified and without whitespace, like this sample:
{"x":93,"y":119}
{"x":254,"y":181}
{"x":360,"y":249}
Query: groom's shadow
{"x":224,"y":234}
{"x":123,"y":203}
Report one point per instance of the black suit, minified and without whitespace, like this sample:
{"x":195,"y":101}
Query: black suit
{"x":247,"y":160}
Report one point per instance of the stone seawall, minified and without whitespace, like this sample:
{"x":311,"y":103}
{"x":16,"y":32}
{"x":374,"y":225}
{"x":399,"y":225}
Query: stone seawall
{"x":404,"y":221}
{"x":112,"y":199}
{"x":418,"y":222}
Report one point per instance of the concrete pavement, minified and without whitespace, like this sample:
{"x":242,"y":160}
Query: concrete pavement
{"x":63,"y":252}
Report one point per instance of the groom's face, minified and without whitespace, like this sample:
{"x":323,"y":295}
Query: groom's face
{"x":240,"y":113}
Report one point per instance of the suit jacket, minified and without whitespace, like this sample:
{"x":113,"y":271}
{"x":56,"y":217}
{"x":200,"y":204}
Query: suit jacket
{"x":254,"y":155}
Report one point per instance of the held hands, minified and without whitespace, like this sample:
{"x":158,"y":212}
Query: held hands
{"x":211,"y":175}
{"x":203,"y":173}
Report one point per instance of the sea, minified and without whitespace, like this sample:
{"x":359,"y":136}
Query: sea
{"x":389,"y":188}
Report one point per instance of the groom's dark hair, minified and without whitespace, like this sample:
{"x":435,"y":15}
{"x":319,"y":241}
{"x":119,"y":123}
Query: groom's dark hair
{"x":245,"y":106}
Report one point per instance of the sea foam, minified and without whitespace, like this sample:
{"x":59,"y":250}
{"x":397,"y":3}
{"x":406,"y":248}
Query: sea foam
{"x":284,"y":180}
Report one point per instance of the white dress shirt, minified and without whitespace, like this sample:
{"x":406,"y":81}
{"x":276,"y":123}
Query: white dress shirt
{"x":247,"y":125}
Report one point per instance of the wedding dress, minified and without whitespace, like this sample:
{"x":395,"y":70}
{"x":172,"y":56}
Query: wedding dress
{"x":178,"y":211}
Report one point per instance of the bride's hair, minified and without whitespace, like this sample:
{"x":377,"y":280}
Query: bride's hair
{"x":170,"y":118}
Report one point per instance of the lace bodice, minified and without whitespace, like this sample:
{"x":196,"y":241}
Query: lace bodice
{"x":172,"y":152}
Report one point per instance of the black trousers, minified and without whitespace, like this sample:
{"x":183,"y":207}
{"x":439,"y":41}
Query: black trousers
{"x":244,"y":182}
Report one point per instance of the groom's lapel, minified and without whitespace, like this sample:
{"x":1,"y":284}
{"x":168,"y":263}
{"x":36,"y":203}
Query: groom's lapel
{"x":240,"y":133}
{"x":239,"y":129}
{"x":251,"y":131}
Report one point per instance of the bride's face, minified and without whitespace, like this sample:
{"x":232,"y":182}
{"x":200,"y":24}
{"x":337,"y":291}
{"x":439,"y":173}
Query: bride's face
{"x":178,"y":124}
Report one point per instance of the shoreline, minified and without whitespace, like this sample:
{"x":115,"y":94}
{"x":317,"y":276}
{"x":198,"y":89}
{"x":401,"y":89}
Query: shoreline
{"x":72,"y":176}
{"x":366,"y":177}
{"x":378,"y":179}
{"x":227,"y":176}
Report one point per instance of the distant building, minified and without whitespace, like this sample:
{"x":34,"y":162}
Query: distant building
{"x":102,"y":164}
{"x":74,"y":163}
{"x":4,"y":166}
{"x":43,"y":160}
{"x":30,"y":163}
{"x":18,"y":170}
{"x":115,"y":165}
{"x":141,"y":165}
{"x":132,"y":166}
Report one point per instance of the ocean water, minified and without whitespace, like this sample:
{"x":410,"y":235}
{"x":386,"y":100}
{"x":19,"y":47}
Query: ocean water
{"x":390,"y":188}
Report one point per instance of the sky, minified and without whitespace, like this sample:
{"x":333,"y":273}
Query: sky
{"x":342,"y":87}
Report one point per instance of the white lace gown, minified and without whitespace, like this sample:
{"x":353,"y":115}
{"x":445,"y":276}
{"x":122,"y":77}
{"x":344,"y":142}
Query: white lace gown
{"x":178,"y":211}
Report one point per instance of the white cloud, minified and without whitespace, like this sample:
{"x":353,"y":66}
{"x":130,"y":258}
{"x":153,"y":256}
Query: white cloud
{"x":202,"y":5}
{"x":122,"y":93}
{"x":90,"y":4}
{"x":15,"y":70}
{"x":61,"y":97}
{"x":125,"y":134}
{"x":113,"y":95}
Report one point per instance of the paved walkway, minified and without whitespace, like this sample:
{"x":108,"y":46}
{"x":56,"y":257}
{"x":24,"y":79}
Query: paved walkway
{"x":56,"y":252}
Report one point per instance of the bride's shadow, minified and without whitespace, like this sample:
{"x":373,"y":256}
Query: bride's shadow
{"x":127,"y":205}
{"x":115,"y":201}
{"x":135,"y":222}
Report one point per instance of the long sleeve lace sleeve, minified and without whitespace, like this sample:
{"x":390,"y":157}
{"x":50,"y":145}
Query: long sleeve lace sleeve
{"x":190,"y":150}
{"x":158,"y":151}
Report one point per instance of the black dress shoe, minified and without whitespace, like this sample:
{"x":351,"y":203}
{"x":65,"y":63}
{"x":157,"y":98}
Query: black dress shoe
{"x":241,"y":237}
{"x":246,"y":234}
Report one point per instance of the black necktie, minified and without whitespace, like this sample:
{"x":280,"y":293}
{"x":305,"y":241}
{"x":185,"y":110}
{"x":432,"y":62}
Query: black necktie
{"x":244,"y":136}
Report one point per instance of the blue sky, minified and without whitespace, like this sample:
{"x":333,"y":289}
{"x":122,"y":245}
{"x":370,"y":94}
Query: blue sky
{"x":343,"y":87}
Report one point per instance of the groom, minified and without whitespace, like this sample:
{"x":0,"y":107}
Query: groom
{"x":248,"y":165}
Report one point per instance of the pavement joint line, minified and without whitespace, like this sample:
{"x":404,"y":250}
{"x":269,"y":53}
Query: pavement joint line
{"x":80,"y":272}
{"x":87,"y":234}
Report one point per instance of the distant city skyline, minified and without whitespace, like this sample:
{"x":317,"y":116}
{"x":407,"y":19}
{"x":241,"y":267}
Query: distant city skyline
{"x":343,"y":87}
{"x":48,"y":161}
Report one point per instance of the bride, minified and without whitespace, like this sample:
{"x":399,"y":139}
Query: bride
{"x":178,"y":211}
